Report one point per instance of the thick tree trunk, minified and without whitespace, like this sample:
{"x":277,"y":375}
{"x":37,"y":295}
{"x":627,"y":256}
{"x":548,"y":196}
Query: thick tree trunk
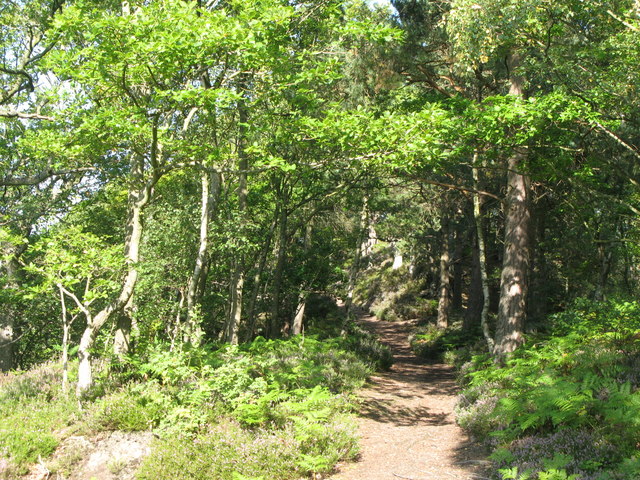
{"x":445,"y":277}
{"x":515,"y":265}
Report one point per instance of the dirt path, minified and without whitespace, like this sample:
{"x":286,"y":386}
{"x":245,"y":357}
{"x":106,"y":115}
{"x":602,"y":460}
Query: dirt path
{"x":407,"y":422}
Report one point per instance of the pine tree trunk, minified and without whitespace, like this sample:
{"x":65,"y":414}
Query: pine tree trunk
{"x":515,"y":267}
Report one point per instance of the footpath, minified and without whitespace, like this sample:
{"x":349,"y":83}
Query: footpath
{"x":407,"y":425}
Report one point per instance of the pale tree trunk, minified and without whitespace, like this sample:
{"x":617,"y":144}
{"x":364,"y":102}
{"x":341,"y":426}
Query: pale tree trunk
{"x":210,"y":186}
{"x":482,"y":256}
{"x":304,"y":294}
{"x":8,"y":312}
{"x":515,"y":266}
{"x":122,"y":336}
{"x":66,"y":328}
{"x":445,"y":277}
{"x":363,"y":246}
{"x":138,"y":198}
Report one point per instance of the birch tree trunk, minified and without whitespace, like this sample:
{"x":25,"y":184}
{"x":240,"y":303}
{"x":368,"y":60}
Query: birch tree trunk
{"x":210,"y":188}
{"x":139,"y":196}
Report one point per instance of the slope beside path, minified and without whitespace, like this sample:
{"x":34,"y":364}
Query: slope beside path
{"x":407,"y":424}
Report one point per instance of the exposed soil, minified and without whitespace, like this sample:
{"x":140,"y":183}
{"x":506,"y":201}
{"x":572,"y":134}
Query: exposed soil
{"x":407,"y":422}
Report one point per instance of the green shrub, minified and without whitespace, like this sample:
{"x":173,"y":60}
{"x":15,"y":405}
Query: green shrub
{"x":582,"y":378}
{"x":452,"y":345}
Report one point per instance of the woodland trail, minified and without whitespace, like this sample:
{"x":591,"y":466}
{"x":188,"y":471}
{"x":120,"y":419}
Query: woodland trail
{"x":407,"y":424}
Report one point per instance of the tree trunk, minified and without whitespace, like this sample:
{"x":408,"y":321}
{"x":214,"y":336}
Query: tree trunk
{"x":210,"y":187}
{"x":257,"y":283}
{"x":476,"y":301}
{"x":274,"y":327}
{"x":65,"y":343}
{"x":237,"y":283}
{"x":8,"y":312}
{"x":304,"y":294}
{"x":445,"y":277}
{"x":456,"y":298}
{"x":139,"y":197}
{"x":363,"y":245}
{"x":482,"y":257}
{"x":515,"y":267}
{"x":605,"y":258}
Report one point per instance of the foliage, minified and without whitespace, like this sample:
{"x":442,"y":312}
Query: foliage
{"x":454,"y":343}
{"x":559,"y":394}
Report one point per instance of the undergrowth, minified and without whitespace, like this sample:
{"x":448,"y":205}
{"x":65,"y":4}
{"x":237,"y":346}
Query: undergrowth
{"x":271,"y":409}
{"x":567,"y":404}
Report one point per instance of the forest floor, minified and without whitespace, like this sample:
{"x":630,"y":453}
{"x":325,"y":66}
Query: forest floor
{"x":406,"y":421}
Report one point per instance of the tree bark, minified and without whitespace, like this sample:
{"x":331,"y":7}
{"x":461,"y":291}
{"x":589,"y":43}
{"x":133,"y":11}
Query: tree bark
{"x":139,"y":196}
{"x":274,"y":327}
{"x":515,"y":267}
{"x":482,"y":257}
{"x":237,"y":282}
{"x":456,"y":298}
{"x":210,"y":188}
{"x":8,"y":312}
{"x":362,"y":246}
{"x":445,"y":277}
{"x":257,"y":283}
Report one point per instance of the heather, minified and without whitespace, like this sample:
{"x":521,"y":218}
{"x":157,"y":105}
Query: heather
{"x":277,"y":409}
{"x":566,"y":405}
